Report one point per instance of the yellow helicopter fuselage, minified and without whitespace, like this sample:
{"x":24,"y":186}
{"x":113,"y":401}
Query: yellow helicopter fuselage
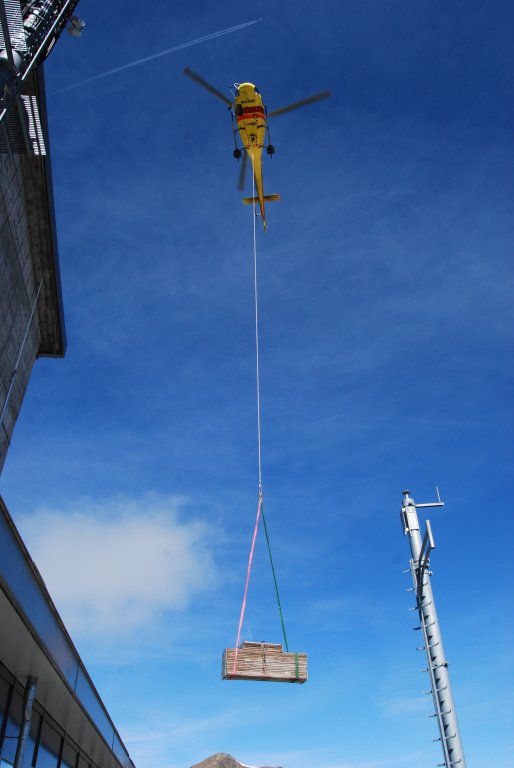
{"x":251,"y":123}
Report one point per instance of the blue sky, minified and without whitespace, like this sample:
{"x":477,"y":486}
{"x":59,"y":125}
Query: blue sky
{"x":385,"y":284}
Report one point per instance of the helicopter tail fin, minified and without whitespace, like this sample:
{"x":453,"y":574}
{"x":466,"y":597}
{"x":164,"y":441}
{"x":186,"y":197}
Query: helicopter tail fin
{"x":267,"y":199}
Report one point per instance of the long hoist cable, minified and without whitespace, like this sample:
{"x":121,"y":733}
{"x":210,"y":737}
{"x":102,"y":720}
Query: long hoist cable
{"x":257,"y":371}
{"x":260,"y":508}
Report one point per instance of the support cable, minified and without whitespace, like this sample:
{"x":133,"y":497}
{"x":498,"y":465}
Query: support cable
{"x":257,"y":370}
{"x":250,"y":560}
{"x":274,"y":580}
{"x":260,"y":509}
{"x":259,"y":506}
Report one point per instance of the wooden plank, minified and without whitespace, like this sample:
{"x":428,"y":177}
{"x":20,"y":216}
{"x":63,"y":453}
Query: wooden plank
{"x":265,"y":662}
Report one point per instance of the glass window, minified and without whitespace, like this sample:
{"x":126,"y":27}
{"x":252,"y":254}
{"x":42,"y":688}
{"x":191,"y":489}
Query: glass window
{"x":15,"y":714}
{"x":69,"y":756}
{"x":29,"y":756}
{"x":5,"y":690}
{"x":12,"y":730}
{"x":49,"y":747}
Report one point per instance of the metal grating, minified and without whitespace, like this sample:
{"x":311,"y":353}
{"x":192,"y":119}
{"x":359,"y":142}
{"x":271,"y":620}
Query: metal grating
{"x":21,"y":132}
{"x":15,"y":25}
{"x":35,"y":131}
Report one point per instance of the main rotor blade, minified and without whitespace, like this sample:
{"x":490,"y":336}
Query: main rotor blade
{"x":301,"y":103}
{"x":242,"y":172}
{"x":208,"y":87}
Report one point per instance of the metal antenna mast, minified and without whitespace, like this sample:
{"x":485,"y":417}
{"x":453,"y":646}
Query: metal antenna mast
{"x":28,"y":31}
{"x":429,"y":626}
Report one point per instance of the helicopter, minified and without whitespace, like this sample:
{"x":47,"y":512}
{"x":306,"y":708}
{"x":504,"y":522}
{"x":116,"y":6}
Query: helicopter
{"x":250,"y":121}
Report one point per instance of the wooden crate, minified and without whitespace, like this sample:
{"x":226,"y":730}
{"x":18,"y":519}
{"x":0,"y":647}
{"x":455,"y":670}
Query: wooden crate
{"x":264,"y":661}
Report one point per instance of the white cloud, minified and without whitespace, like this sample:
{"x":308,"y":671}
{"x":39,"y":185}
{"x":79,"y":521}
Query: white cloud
{"x":407,"y":705}
{"x":161,"y":745}
{"x":116,"y":565}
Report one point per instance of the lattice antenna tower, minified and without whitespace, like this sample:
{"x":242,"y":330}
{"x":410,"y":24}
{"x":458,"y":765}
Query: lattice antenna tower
{"x":29,"y":30}
{"x":440,"y":688}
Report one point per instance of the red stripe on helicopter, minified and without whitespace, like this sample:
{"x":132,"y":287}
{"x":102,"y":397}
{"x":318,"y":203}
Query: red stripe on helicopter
{"x":250,"y":112}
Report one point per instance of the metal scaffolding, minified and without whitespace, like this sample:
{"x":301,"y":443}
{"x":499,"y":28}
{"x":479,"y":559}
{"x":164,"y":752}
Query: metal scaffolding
{"x":440,"y":688}
{"x":28,"y":31}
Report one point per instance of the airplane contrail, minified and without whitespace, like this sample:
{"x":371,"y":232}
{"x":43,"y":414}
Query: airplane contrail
{"x":175,"y":48}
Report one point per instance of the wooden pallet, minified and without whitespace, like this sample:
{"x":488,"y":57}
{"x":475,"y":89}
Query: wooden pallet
{"x":264,"y":661}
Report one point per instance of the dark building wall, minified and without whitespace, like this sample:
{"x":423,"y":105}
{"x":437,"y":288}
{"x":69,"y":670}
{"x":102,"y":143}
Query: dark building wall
{"x":17,"y":294}
{"x":28,"y":264}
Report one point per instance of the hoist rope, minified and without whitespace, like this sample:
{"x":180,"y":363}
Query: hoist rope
{"x":274,"y":579}
{"x":260,"y":508}
{"x":257,"y":369}
{"x":250,"y":560}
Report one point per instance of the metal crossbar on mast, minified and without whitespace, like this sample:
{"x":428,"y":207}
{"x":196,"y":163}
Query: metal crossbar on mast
{"x":444,"y":706}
